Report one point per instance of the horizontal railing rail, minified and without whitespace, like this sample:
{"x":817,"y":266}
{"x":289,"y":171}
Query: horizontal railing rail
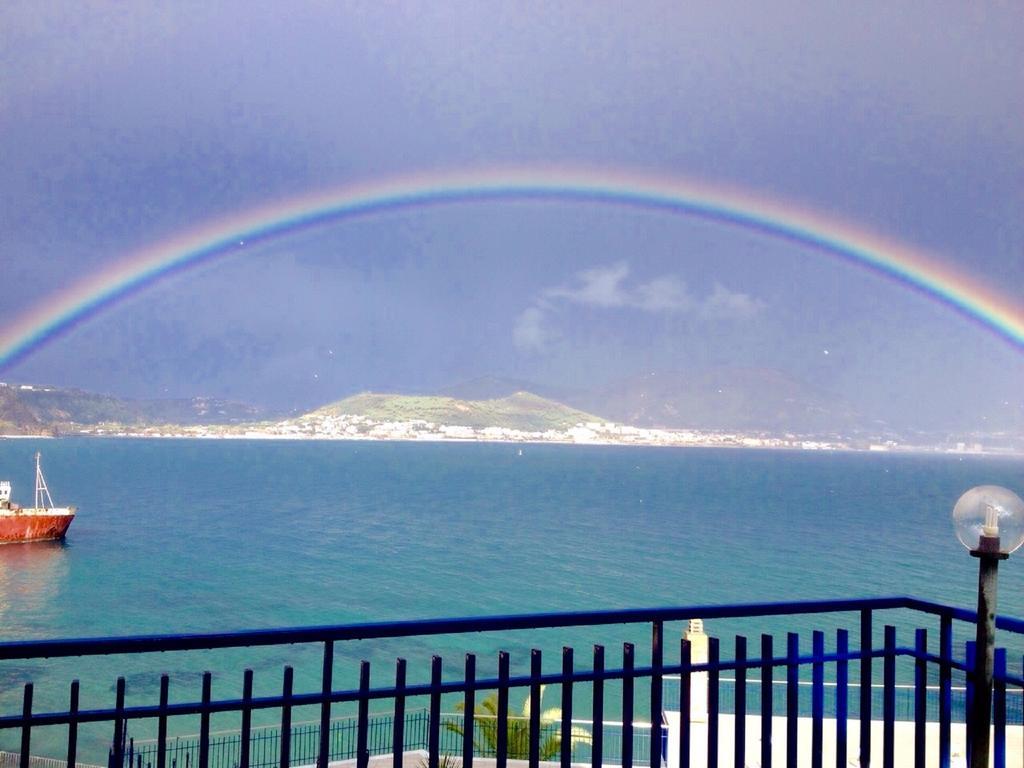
{"x":751,"y":686}
{"x":92,"y":646}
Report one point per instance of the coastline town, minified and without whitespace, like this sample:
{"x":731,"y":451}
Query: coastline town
{"x":316,"y":426}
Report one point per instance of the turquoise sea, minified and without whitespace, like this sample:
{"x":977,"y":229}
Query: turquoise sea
{"x":182,"y":535}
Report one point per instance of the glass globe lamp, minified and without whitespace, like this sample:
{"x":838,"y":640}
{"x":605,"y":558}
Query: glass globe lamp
{"x":989,"y":520}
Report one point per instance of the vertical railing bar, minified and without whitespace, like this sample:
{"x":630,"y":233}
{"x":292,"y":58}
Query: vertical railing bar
{"x":866,"y":632}
{"x":434,"y":737}
{"x":685,"y":653}
{"x":920,"y":696}
{"x":1020,"y":701}
{"x":792,"y":697}
{"x":597,"y":744}
{"x":362,"y":723}
{"x":767,"y":704}
{"x":535,"y":674}
{"x":657,"y":661}
{"x":468,"y":705}
{"x":118,"y":757}
{"x":713,"y":675}
{"x":398,"y":731}
{"x":628,"y":663}
{"x":204,"y":722}
{"x":326,"y":685}
{"x":817,"y":697}
{"x":842,"y":693}
{"x":502,"y":724}
{"x":740,"y":698}
{"x":889,"y":698}
{"x":286,"y":718}
{"x":969,"y":657}
{"x":945,"y":689}
{"x":244,"y":736}
{"x":999,"y":708}
{"x":161,"y":723}
{"x":566,"y":743}
{"x":73,"y":726}
{"x":26,"y":728}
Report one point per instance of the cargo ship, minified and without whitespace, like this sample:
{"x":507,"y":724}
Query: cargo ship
{"x":41,"y":522}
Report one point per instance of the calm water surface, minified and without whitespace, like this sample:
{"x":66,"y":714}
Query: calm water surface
{"x":177,"y":536}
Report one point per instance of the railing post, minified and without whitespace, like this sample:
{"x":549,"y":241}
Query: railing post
{"x":627,"y":705}
{"x":161,"y":727}
{"x":945,"y":688}
{"x":535,"y":674}
{"x":73,"y":726}
{"x":597,"y":743}
{"x":26,"y":728}
{"x":326,"y":686}
{"x":434,"y":724}
{"x":842,"y":696}
{"x":969,"y":657}
{"x":792,"y":698}
{"x":767,"y":699}
{"x":204,"y":722}
{"x":889,"y":699}
{"x":999,"y":708}
{"x":246,"y":734}
{"x":286,"y":718}
{"x":362,"y":725}
{"x":866,"y":632}
{"x":502,"y":725}
{"x":920,"y":696}
{"x":117,"y":758}
{"x":398,"y":734}
{"x":684,"y":703}
{"x":740,"y":698}
{"x":468,"y":705}
{"x":713,"y":675}
{"x":817,"y":697}
{"x":657,"y":661}
{"x":566,"y":737}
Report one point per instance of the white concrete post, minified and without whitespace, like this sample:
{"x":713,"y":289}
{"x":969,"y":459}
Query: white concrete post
{"x":698,"y":702}
{"x":698,"y":680}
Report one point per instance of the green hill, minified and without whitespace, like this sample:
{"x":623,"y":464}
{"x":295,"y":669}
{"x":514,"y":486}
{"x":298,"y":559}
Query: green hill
{"x":521,"y":410}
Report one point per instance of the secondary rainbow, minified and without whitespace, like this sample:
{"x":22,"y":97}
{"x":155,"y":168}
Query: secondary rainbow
{"x":909,"y":266}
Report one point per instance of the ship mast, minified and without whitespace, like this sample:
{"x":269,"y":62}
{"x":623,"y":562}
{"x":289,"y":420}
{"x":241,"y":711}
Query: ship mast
{"x":41,"y":489}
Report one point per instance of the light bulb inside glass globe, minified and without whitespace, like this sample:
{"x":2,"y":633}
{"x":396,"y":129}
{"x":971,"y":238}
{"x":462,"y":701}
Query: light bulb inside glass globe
{"x":990,"y":518}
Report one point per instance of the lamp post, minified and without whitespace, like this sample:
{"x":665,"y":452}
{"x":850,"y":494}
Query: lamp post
{"x":989,"y":521}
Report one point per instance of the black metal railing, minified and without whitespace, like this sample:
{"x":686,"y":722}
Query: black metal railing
{"x":636,"y":685}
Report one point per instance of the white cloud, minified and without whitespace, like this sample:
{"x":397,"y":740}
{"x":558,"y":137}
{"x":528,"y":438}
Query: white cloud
{"x":730,"y":305}
{"x":529,"y":333}
{"x":608,"y":287}
{"x":600,"y":287}
{"x":663,"y":294}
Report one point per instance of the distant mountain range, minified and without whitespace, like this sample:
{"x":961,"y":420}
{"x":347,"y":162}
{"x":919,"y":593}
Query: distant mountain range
{"x":739,"y":399}
{"x":733,"y":399}
{"x":36,"y":410}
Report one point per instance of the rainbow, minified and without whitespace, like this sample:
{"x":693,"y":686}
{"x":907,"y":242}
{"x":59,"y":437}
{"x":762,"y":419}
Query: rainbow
{"x":908,"y":266}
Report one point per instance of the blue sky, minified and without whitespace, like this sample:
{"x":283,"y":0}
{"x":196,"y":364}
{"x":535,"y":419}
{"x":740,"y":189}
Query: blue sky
{"x":121,"y":126}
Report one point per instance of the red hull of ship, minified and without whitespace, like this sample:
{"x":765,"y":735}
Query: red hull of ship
{"x":33,"y":527}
